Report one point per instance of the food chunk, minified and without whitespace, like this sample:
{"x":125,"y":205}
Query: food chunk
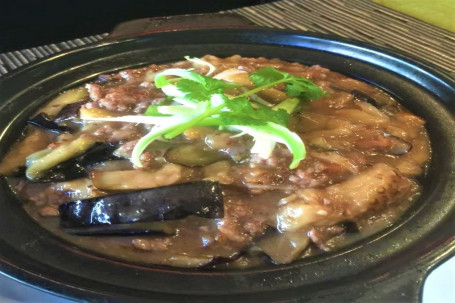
{"x":374,"y":188}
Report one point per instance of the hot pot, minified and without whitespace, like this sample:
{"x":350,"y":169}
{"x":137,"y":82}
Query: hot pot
{"x":388,"y":266}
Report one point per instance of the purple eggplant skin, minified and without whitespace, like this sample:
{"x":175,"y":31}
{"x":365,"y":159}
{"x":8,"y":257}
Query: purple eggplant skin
{"x":199,"y":198}
{"x":79,"y":167}
{"x":44,"y":121}
{"x":69,"y":111}
{"x":130,"y":229}
{"x":364,"y":97}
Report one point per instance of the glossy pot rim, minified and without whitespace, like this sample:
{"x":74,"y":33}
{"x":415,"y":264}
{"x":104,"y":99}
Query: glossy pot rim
{"x":372,"y":264}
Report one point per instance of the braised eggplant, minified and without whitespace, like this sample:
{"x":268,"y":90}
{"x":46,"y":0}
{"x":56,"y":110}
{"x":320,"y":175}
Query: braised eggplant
{"x":398,"y":146}
{"x":68,"y":97}
{"x":364,"y":97}
{"x":69,"y":111}
{"x":121,"y":180}
{"x":39,"y":163}
{"x":282,"y":248}
{"x":14,"y":162}
{"x":44,"y":121}
{"x":193,"y":155}
{"x":200,"y":198}
{"x":149,"y":228}
{"x":76,"y":167}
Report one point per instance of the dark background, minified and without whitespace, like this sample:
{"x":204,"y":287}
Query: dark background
{"x":27,"y":23}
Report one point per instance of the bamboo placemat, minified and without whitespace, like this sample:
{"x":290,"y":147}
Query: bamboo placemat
{"x":362,"y":20}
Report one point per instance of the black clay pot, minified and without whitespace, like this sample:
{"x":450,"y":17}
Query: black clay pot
{"x":388,"y":266}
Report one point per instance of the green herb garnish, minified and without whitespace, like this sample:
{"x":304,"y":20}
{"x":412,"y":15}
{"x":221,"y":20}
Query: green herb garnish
{"x":299,"y":87}
{"x":202,"y":101}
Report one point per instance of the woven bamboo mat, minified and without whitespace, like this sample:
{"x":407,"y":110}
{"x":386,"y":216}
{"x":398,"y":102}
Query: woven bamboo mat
{"x":362,"y":20}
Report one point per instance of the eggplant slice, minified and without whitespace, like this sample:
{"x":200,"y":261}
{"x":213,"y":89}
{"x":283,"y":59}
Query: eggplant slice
{"x":130,"y":229}
{"x":199,"y":198}
{"x":44,"y":121}
{"x":78,"y":167}
{"x":361,"y":96}
{"x":69,"y":111}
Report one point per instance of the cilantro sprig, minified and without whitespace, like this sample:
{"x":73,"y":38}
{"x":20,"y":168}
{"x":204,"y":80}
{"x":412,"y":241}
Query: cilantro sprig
{"x":201,"y":100}
{"x":298,"y":87}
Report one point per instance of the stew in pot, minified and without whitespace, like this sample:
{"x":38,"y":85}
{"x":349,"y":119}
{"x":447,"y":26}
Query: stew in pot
{"x":234,"y":162}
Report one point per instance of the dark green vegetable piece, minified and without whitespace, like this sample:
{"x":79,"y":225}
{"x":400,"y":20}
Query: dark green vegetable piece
{"x":200,"y":198}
